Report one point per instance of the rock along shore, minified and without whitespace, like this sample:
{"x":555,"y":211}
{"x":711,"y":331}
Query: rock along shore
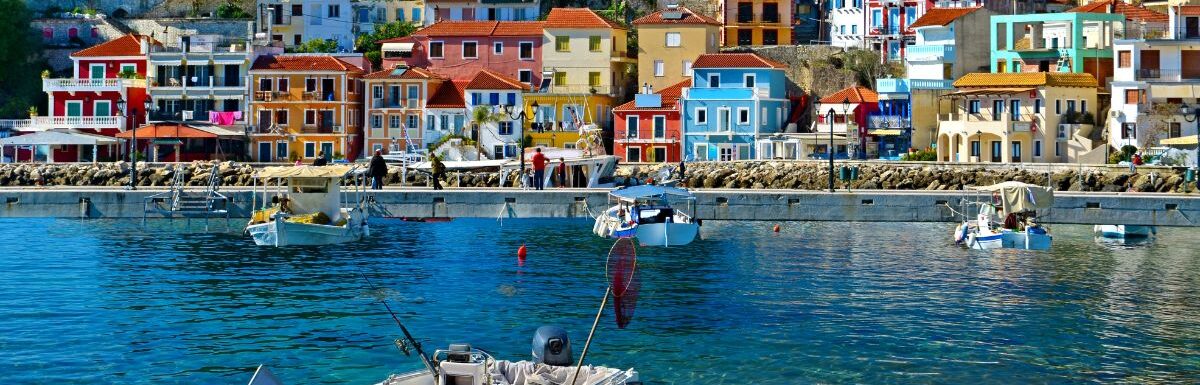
{"x":743,"y":175}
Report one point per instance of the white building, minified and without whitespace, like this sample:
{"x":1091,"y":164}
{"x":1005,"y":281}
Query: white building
{"x":847,"y":23}
{"x":502,"y":10}
{"x":499,"y":139}
{"x":293,"y":22}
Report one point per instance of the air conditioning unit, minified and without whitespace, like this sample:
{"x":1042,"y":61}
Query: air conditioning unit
{"x":187,"y":115}
{"x":1114,"y":114}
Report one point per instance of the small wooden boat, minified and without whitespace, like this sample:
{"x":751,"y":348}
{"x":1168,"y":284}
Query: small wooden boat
{"x":650,"y":214}
{"x":307,"y":205}
{"x":1123,"y":231}
{"x":1018,"y":230}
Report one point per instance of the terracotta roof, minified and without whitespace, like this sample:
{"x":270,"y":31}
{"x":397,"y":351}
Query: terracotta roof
{"x":402,"y":39}
{"x":518,"y":28}
{"x":1189,"y":10}
{"x":941,"y":16}
{"x":166,"y":130}
{"x":477,"y":28}
{"x":127,"y":45}
{"x":489,"y":80}
{"x":410,"y":73}
{"x":735,"y":60}
{"x":670,"y":96}
{"x":689,"y":17}
{"x":578,"y":18}
{"x":855,"y":94}
{"x":448,"y":95}
{"x":1058,"y":79}
{"x":1131,"y":12}
{"x":302,"y":62}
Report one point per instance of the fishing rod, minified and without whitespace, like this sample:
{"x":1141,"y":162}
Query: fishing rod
{"x":408,"y":336}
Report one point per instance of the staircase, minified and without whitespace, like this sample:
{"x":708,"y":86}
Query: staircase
{"x":178,"y":201}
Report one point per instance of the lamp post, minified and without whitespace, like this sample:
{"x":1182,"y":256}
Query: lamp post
{"x":979,"y":155}
{"x":121,"y":104}
{"x":521,"y":116}
{"x":845,"y":111}
{"x":1190,"y":116}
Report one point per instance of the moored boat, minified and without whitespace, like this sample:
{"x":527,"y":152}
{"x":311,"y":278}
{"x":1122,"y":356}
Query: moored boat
{"x":1123,"y":231}
{"x":308,"y":207}
{"x":1019,"y":229}
{"x":650,"y":214}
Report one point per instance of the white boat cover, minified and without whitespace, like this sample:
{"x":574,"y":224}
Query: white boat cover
{"x":649,"y":191}
{"x":334,"y":171}
{"x":58,"y":138}
{"x":530,"y":373}
{"x":1018,"y":196}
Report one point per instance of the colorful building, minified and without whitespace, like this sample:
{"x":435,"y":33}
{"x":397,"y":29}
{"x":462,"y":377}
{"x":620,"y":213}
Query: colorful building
{"x":758,"y":22}
{"x":847,"y":23}
{"x":481,"y":10}
{"x":650,"y":128}
{"x":493,"y":91}
{"x":807,"y":22}
{"x":669,"y":41}
{"x":446,"y":112}
{"x":395,"y":108}
{"x":460,"y":49}
{"x":200,"y":78}
{"x":851,"y":108}
{"x":1021,"y":118}
{"x":1153,"y":80}
{"x":304,"y":104}
{"x":293,"y":22}
{"x":1075,"y":42}
{"x":735,"y":99}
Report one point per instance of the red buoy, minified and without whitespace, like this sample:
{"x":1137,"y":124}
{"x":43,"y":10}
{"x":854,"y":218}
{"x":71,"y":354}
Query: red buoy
{"x":521,"y":252}
{"x":777,"y":228}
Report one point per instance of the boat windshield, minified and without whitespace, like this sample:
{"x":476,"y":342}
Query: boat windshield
{"x":655,"y":214}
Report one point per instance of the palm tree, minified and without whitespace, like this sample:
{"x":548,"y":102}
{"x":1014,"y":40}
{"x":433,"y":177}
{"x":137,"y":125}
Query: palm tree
{"x":481,"y":116}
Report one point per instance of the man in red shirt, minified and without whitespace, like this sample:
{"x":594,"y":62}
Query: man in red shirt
{"x":539,"y":169}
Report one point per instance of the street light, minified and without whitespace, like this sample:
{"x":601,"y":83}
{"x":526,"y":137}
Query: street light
{"x":845,"y":111}
{"x":132,"y":146}
{"x":979,"y":154}
{"x":508,"y":109}
{"x":1190,"y":116}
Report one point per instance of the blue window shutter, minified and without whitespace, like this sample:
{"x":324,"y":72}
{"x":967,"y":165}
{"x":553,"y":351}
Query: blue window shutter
{"x":512,"y":99}
{"x":494,"y":98}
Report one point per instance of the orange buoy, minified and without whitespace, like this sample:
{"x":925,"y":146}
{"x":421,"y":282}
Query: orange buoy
{"x":777,"y":228}
{"x":521,"y":252}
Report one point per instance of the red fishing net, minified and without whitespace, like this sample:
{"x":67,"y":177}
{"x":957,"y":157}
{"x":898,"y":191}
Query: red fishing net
{"x":622,"y":276}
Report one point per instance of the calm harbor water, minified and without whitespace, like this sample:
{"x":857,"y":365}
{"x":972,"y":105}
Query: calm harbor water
{"x":112,"y":302}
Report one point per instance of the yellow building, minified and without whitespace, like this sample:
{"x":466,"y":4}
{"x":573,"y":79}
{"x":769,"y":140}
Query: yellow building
{"x":669,"y":40}
{"x":559,"y":117}
{"x":1031,"y":117}
{"x":758,"y":22}
{"x":305,"y":104}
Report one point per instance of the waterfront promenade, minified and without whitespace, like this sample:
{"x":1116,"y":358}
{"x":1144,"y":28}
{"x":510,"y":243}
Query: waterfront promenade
{"x":711,"y":204}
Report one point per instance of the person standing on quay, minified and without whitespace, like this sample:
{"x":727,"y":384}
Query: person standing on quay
{"x":377,"y":170}
{"x":539,"y":169}
{"x":562,"y":173}
{"x":438,"y":170}
{"x":320,"y":161}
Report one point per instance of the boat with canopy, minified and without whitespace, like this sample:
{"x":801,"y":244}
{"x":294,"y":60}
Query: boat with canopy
{"x":651,"y":214}
{"x":308,"y":205}
{"x":1017,"y":203}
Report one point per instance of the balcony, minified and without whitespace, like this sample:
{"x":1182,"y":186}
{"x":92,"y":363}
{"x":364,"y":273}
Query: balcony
{"x":389,"y":103}
{"x":930,"y":84}
{"x":732,"y":93}
{"x":96,"y":85}
{"x":584,"y":89}
{"x":931,"y":52}
{"x":880,"y":121}
{"x":892,"y":86}
{"x":321,"y":129}
{"x":1167,"y":75}
{"x":879,"y":31}
{"x":42,"y":123}
{"x":973,"y":123}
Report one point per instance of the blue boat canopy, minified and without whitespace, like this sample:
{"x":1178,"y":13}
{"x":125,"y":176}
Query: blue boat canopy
{"x":649,"y":191}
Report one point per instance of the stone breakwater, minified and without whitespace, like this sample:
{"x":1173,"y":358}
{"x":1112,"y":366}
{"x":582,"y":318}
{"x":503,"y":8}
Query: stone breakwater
{"x":742,"y":175}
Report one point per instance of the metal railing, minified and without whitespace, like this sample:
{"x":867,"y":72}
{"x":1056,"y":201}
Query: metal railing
{"x":880,"y":121}
{"x":48,"y":122}
{"x":931,"y":52}
{"x":199,"y":81}
{"x":57,"y":84}
{"x":1167,"y":75}
{"x":204,"y":44}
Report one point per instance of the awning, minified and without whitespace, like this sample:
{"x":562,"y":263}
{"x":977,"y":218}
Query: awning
{"x":334,"y":171}
{"x":1174,"y":91}
{"x":649,"y":191}
{"x":988,"y":91}
{"x":402,"y":47}
{"x":885,"y":132}
{"x":228,"y":62}
{"x":1018,"y":196}
{"x":57,"y":138}
{"x":174,"y":131}
{"x":1180,"y":141}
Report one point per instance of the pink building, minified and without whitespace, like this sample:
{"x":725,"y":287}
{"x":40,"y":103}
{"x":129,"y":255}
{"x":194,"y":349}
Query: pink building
{"x":460,"y":49}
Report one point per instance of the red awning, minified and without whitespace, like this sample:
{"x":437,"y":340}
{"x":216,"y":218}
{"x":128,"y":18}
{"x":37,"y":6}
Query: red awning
{"x":175,"y":131}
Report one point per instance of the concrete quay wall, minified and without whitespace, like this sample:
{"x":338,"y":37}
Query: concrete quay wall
{"x":711,"y":204}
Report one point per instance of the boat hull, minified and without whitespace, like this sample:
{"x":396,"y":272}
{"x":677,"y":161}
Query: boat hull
{"x":987,"y":239}
{"x":280,"y":232}
{"x":666,"y":234}
{"x":1123,"y":231}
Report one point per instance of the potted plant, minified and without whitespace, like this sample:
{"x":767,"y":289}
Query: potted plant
{"x":45,"y":74}
{"x":33,"y":113}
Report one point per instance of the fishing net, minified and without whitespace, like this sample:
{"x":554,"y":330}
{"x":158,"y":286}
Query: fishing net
{"x":622,"y":277}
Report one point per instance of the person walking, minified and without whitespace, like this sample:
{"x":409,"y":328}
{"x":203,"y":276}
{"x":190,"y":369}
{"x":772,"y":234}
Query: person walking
{"x":320,"y":161}
{"x":377,"y":170}
{"x":438,"y":170}
{"x":562,"y":173}
{"x":539,"y":169}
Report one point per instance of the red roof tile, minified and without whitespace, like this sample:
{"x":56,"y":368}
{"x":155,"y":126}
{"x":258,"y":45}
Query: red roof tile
{"x":127,"y":45}
{"x":941,"y":16}
{"x":578,"y":18}
{"x":448,"y":95}
{"x":735,"y":60}
{"x":670,"y":96}
{"x":518,"y":28}
{"x":489,"y":80}
{"x":855,"y":94}
{"x":477,"y":28}
{"x":1131,"y":12}
{"x":409,"y":73}
{"x":302,"y":62}
{"x":1189,"y":10}
{"x":689,"y":17}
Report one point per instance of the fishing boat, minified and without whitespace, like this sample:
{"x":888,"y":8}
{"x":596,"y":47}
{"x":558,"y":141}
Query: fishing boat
{"x":1017,"y":203}
{"x":650,"y":214}
{"x":582,"y":170}
{"x":308,"y":205}
{"x":1123,"y":231}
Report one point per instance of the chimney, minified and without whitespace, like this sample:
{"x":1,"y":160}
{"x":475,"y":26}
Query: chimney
{"x":144,"y":45}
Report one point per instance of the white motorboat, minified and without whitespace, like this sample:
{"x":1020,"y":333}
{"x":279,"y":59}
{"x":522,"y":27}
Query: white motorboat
{"x":306,"y":205}
{"x":649,"y":213}
{"x":1018,"y":230}
{"x":1123,"y":231}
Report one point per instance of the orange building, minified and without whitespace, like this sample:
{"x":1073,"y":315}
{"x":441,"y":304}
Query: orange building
{"x":303,"y":105}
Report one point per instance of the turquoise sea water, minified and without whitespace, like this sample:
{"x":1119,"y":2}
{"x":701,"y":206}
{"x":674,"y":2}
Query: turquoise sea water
{"x":112,"y":302}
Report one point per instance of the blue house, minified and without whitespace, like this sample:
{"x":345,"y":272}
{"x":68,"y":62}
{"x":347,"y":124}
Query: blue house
{"x":735,"y":99}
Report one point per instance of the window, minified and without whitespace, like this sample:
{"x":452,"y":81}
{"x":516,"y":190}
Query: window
{"x":1057,"y":106}
{"x":498,"y":48}
{"x":560,"y":78}
{"x":1124,"y":59}
{"x":297,"y":39}
{"x":1083,"y":106}
{"x":310,"y":85}
{"x":393,"y":121}
{"x":376,"y":121}
{"x":525,"y":76}
{"x":749,"y":81}
{"x":413,"y":121}
{"x":310,"y":149}
{"x":1057,"y":148}
{"x":1128,"y":130}
{"x":660,"y":127}
{"x":854,"y":29}
{"x":974,"y":148}
{"x":128,"y":67}
{"x":1015,"y":109}
{"x":1016,"y":151}
{"x":745,"y":37}
{"x":416,"y":15}
{"x":1070,"y":106}
{"x":761,"y":121}
{"x":264,"y":84}
{"x":72,"y":32}
{"x":526,"y":50}
{"x":770,"y":37}
{"x":494,"y":98}
{"x":743,"y":115}
{"x":1175,"y":130}
{"x":725,"y":153}
{"x":399,"y":14}
{"x":996,"y":146}
{"x":511,"y":99}
{"x":673,"y":39}
{"x":435,"y":49}
{"x":700,"y":152}
{"x":973,"y":106}
{"x":631,"y":127}
{"x":1037,"y":106}
{"x":281,"y":117}
{"x":413,"y":94}
{"x":102,"y":108}
{"x":310,"y":117}
{"x":377,"y":92}
{"x":505,"y":127}
{"x":1037,"y":149}
{"x":1132,"y":96}
{"x":714,"y":81}
{"x":335,"y":11}
{"x":562,"y":43}
{"x":876,"y":18}
{"x":297,"y":10}
{"x":687,"y":68}
{"x":470,"y":50}
{"x":282,"y":84}
{"x":997,"y":109}
{"x":701,"y":115}
{"x":594,"y":43}
{"x":633,"y":154}
{"x":659,"y":68}
{"x":594,"y":79}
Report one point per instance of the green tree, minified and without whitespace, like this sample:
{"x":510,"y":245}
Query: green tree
{"x":317,"y":46}
{"x":20,"y":85}
{"x":370,"y":44}
{"x":230,"y":10}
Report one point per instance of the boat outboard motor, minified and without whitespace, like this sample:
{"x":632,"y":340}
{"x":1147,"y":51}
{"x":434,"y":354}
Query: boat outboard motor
{"x":551,"y":346}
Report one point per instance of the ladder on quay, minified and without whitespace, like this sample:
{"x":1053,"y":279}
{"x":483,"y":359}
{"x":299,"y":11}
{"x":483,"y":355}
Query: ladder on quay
{"x":178,"y":201}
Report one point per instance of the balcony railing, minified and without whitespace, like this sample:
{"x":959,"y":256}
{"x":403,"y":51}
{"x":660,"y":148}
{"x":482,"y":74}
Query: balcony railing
{"x":584,"y":89}
{"x":321,"y":129}
{"x":203,"y":44}
{"x":931,"y":52}
{"x":200,"y":81}
{"x":891,"y":86}
{"x":389,"y":103}
{"x":1167,"y":75}
{"x":930,"y":84}
{"x":41,"y":123}
{"x":109,"y":84}
{"x":879,"y":121}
